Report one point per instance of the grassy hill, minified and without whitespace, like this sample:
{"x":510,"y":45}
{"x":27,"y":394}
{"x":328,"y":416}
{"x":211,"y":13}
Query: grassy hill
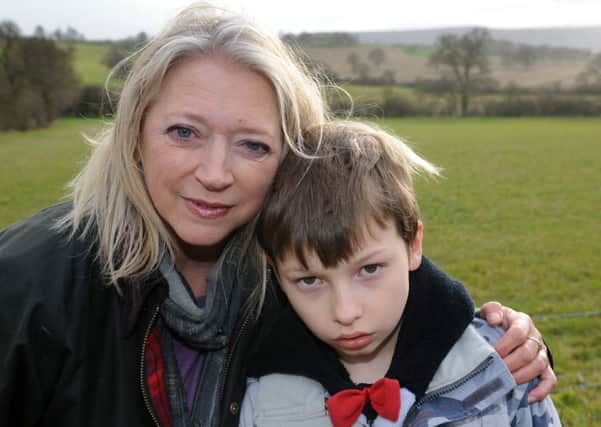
{"x":88,"y":62}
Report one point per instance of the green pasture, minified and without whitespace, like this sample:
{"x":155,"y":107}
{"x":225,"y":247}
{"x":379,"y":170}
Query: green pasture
{"x":88,"y":62}
{"x":418,"y":51}
{"x":516,"y":216}
{"x":36,"y":165}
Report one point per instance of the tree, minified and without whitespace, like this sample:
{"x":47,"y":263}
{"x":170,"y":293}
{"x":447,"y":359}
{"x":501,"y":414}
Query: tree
{"x":57,"y":34}
{"x":121,"y":49}
{"x":591,"y":75}
{"x":37,"y":82}
{"x":353,"y":60}
{"x":8,"y":29}
{"x":39,"y":32}
{"x":465,"y":59}
{"x":71,"y":34}
{"x":377,"y":56}
{"x":359,"y":68}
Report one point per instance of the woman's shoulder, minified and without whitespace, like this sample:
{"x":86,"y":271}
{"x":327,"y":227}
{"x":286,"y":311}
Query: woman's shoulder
{"x":34,"y":250}
{"x":36,"y":238}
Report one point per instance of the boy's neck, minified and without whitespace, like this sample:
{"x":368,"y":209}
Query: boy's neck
{"x":370,"y":370}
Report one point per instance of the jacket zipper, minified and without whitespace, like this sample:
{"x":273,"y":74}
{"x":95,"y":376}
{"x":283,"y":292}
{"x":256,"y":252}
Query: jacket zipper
{"x":142,"y":368}
{"x":437,"y":393}
{"x":230,"y":355}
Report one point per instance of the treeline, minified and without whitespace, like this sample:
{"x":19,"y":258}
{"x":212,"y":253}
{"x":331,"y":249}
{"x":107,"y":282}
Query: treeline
{"x":463,"y":64}
{"x":37,"y":80}
{"x":511,"y":101}
{"x":336,"y":39}
{"x":526,"y":55}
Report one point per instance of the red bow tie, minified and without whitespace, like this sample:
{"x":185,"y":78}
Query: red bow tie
{"x":384,"y":395}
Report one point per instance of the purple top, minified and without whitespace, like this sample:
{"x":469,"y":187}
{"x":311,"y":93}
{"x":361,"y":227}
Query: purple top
{"x":190,"y":363}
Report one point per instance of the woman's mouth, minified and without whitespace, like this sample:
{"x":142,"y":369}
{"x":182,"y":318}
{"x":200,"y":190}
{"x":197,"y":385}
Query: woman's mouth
{"x":207,"y":210}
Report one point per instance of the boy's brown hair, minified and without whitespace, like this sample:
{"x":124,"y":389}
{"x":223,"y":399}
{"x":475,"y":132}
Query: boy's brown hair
{"x":357,"y":175}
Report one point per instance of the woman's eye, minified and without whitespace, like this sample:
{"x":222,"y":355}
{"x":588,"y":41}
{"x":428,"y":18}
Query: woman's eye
{"x":371,"y":269}
{"x":258,"y":149}
{"x":180,"y":132}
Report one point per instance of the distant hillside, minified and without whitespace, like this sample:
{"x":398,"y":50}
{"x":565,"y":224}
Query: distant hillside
{"x":573,"y":37}
{"x":406,"y":65}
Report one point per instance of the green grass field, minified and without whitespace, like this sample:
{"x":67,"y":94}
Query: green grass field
{"x":515,"y":217}
{"x":88,"y":62}
{"x":36,"y":165}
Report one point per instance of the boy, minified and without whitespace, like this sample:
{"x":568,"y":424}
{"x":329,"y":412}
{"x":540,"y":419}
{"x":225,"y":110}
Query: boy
{"x":375,"y":334}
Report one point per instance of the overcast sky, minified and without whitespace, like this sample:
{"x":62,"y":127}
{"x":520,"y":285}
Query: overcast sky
{"x":101,"y":19}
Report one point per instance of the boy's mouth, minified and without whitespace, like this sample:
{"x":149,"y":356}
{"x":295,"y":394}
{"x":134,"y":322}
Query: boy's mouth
{"x":355,"y":341}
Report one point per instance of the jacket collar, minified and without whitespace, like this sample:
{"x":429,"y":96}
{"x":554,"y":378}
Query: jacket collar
{"x":438,"y":311}
{"x":138,"y":295}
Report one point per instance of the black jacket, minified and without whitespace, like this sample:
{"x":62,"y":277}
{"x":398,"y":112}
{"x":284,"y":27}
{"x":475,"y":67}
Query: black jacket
{"x":71,"y":347}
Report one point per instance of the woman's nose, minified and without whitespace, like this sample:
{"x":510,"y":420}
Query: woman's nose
{"x":214,"y":169}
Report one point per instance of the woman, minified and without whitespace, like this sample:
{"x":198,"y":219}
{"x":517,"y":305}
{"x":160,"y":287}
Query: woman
{"x":136,"y":303}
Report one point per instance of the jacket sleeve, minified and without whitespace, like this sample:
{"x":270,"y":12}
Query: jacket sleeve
{"x":534,"y":414}
{"x":31,"y":349}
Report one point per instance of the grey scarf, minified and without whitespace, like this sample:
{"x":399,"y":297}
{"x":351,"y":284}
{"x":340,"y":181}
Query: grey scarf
{"x":207,"y":329}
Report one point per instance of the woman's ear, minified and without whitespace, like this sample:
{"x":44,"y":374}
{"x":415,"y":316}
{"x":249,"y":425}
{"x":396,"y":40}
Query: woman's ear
{"x":415,"y":248}
{"x":269,"y":261}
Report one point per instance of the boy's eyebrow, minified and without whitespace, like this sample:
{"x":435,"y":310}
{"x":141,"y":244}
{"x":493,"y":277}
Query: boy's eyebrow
{"x":371,"y":254}
{"x":294,"y":269}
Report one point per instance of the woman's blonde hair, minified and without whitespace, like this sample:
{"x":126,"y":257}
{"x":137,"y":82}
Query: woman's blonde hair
{"x":110,"y":199}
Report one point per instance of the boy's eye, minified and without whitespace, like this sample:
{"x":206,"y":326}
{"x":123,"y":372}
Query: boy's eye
{"x":308,"y":282}
{"x":371,"y":269}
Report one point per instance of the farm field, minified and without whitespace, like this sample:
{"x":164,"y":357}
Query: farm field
{"x":408,"y":64}
{"x":515,"y":217}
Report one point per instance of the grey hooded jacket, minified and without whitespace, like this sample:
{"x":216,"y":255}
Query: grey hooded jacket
{"x":471,"y":387}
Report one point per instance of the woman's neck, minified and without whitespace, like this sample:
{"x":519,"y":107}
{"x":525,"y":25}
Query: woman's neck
{"x":195,"y":262}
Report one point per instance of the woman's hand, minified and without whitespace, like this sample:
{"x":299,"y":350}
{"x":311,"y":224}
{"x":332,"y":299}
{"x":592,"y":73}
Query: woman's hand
{"x":521,"y":348}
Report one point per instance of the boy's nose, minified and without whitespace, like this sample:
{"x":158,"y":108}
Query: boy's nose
{"x":214,"y":168}
{"x":347,"y":308}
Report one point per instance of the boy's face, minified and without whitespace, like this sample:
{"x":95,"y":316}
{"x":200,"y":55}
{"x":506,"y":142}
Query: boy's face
{"x":355,"y":307}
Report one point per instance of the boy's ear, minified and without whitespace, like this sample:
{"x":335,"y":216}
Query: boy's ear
{"x":415,"y":248}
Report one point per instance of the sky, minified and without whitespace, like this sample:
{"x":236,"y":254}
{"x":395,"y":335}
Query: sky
{"x":114,"y":19}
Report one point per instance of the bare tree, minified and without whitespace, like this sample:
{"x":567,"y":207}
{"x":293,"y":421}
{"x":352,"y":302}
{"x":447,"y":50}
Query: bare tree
{"x":353,"y":60}
{"x":465,"y":59}
{"x":591,"y":75}
{"x":8,"y":29}
{"x":39,"y":32}
{"x":377,"y":56}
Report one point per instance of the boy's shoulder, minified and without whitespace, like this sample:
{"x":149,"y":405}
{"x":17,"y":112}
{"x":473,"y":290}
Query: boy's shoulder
{"x":472,"y":356}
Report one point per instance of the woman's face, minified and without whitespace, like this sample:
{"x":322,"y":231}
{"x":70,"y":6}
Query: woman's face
{"x":211,"y":144}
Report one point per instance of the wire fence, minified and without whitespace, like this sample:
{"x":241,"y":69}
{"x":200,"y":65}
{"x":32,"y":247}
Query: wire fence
{"x":568,"y":315}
